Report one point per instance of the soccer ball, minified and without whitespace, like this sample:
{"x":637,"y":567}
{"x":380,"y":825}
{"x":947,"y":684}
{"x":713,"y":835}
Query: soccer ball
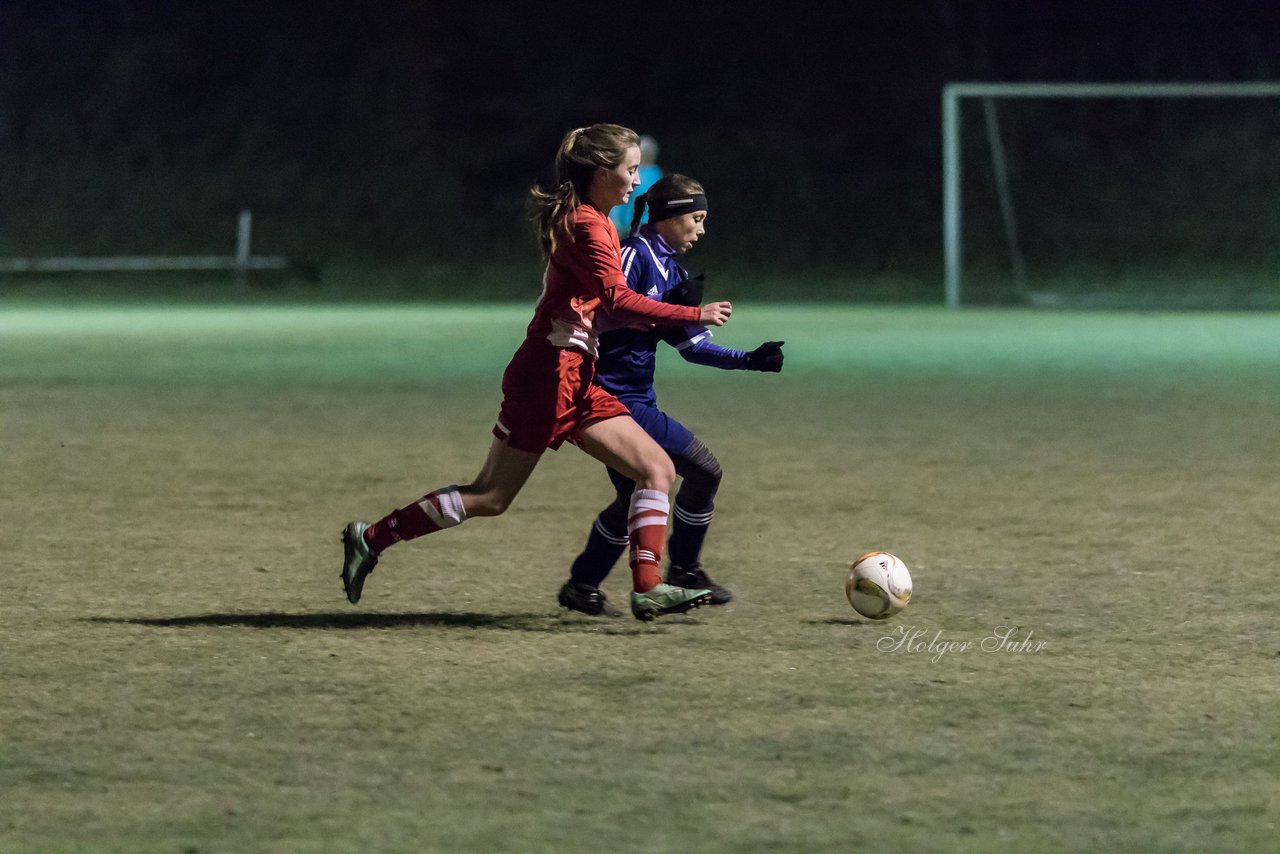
{"x":878,"y":586}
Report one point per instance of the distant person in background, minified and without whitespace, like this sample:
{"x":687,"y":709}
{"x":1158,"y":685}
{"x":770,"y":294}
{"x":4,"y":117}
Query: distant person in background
{"x":677,"y":215}
{"x":650,"y":172}
{"x":547,"y":394}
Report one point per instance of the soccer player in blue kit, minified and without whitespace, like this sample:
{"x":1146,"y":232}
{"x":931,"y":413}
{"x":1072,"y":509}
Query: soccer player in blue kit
{"x":677,"y":213}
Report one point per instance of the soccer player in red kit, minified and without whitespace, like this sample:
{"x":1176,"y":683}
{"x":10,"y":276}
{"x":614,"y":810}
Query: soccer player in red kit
{"x":547,"y":392}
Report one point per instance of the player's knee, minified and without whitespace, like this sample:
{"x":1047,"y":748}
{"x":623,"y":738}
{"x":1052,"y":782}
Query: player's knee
{"x":701,"y":470}
{"x":498,"y":504}
{"x":658,"y":473}
{"x":487,"y":503}
{"x":711,"y":475}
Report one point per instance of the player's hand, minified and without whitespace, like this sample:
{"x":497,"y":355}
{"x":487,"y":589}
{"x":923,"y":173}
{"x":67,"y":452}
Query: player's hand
{"x":766,"y":357}
{"x":688,"y":292}
{"x":716,"y":313}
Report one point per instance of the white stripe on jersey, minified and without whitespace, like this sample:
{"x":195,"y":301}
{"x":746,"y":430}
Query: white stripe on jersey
{"x":628,"y":256}
{"x":657,"y":262}
{"x":568,"y":334}
{"x":701,"y":336}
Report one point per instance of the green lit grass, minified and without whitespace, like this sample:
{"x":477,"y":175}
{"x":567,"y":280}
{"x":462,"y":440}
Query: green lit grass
{"x":181,"y":671}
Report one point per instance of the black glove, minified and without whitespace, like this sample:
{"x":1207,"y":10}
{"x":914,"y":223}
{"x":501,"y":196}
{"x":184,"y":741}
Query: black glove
{"x":688,"y":292}
{"x":766,"y":357}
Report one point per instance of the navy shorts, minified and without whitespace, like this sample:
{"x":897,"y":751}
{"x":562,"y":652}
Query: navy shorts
{"x":674,"y":437}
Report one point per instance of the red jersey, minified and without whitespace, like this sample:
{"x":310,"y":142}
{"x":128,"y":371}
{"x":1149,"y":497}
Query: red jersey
{"x":584,"y":274}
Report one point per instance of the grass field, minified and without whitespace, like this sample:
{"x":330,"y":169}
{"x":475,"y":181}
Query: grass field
{"x":181,"y":672}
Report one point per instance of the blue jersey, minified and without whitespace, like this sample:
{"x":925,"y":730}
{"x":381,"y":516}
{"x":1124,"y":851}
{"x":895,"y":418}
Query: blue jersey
{"x":628,"y":355}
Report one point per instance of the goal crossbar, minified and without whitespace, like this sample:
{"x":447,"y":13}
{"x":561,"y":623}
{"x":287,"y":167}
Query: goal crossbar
{"x":241,"y":263}
{"x":143,"y":264}
{"x":953,"y":93}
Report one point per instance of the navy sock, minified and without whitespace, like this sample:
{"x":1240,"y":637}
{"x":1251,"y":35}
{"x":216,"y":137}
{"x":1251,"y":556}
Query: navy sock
{"x":598,"y":557}
{"x":688,"y":530}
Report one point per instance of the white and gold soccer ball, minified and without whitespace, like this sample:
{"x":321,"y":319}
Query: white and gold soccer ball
{"x":878,"y":586}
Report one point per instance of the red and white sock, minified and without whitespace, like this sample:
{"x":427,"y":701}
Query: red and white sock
{"x":647,"y":529}
{"x":433,"y":512}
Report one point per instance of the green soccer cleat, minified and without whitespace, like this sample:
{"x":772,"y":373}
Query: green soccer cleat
{"x":358,"y":560}
{"x":696,"y":578}
{"x":666,"y":599}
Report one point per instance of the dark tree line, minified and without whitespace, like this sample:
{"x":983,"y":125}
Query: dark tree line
{"x":410,"y":130}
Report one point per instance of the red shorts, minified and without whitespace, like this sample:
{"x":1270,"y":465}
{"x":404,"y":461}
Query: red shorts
{"x":548,"y":397}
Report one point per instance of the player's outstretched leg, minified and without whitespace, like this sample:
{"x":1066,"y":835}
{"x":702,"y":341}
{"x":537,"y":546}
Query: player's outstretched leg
{"x":362,"y":542}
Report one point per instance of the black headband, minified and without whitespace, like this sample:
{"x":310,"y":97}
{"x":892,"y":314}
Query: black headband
{"x":660,"y":209}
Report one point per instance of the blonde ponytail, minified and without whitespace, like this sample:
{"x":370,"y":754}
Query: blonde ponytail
{"x":581,"y":152}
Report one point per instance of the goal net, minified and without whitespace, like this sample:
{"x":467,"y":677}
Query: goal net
{"x":1112,"y":195}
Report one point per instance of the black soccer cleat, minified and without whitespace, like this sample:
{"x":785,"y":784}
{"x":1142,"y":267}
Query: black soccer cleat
{"x":586,"y":599}
{"x":696,"y":578}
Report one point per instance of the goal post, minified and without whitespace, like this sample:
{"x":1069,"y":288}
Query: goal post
{"x":953,"y":97}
